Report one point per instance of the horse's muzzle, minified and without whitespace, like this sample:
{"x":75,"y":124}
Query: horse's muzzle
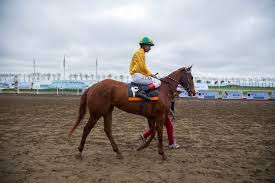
{"x":192,"y":93}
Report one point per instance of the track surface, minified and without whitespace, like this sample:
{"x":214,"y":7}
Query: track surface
{"x":221,"y":141}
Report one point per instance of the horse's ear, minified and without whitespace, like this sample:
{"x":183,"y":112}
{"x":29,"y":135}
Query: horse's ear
{"x":189,"y":68}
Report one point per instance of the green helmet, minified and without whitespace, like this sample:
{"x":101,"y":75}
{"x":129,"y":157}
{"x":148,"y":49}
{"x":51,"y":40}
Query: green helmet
{"x":146,"y":41}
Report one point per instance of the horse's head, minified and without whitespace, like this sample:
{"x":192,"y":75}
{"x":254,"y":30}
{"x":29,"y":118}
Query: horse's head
{"x":186,"y":80}
{"x":183,"y":77}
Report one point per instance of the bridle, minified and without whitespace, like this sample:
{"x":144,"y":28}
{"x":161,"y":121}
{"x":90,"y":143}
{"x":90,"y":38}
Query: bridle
{"x":187,"y":88}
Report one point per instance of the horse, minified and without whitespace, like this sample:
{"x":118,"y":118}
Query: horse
{"x":101,"y":98}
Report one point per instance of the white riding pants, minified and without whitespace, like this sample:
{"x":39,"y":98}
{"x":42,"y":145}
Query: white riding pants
{"x":141,"y":79}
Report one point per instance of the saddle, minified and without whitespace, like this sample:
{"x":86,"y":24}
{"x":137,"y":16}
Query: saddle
{"x":139,"y":92}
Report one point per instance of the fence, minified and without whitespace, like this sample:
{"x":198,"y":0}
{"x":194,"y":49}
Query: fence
{"x":65,"y":87}
{"x":57,"y":91}
{"x":206,"y":94}
{"x":78,"y":87}
{"x":253,"y":95}
{"x":231,"y":95}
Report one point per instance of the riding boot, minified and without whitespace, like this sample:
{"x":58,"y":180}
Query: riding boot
{"x":153,"y":93}
{"x":143,"y":94}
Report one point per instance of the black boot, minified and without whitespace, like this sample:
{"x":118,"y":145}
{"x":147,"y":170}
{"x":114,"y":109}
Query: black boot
{"x":153,"y":93}
{"x":145,"y":88}
{"x":143,"y":94}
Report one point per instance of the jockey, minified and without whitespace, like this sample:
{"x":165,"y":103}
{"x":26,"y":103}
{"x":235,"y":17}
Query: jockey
{"x":139,"y":71}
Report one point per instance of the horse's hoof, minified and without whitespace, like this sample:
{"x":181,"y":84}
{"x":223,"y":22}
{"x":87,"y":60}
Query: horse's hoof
{"x":69,"y":140}
{"x":140,"y":147}
{"x":80,"y":148}
{"x":79,"y":156}
{"x":164,"y":157}
{"x":119,"y":156}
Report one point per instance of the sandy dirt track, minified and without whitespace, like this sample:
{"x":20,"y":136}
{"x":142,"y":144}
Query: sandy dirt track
{"x":221,"y":141}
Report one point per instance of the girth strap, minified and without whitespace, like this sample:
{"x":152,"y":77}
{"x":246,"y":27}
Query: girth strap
{"x":142,"y":106}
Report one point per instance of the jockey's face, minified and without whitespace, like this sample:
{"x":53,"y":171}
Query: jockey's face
{"x":146,"y":48}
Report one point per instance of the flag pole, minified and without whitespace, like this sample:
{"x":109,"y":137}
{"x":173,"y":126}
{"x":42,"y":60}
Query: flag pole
{"x":33,"y":79}
{"x":96,"y":70}
{"x":64,"y":65}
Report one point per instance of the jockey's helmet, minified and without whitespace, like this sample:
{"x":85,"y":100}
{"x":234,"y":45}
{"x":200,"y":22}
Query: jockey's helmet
{"x":146,"y":41}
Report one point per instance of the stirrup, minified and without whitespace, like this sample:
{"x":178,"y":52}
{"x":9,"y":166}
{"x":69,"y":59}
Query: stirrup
{"x":153,"y":93}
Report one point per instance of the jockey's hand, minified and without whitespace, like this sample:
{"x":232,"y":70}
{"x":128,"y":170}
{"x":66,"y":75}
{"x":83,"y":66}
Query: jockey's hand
{"x":154,"y":75}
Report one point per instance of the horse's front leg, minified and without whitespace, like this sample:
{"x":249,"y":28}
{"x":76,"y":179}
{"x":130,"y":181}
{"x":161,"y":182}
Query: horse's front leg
{"x":151,"y":123}
{"x":159,"y":127}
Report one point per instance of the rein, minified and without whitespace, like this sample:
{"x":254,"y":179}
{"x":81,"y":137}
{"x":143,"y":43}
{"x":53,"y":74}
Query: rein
{"x":167,"y":82}
{"x":162,"y":79}
{"x":177,"y":82}
{"x":173,"y":80}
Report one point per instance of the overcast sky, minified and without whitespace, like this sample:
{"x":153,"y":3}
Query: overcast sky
{"x":221,"y":38}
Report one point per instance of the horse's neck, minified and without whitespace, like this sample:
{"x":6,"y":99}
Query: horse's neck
{"x":168,"y":88}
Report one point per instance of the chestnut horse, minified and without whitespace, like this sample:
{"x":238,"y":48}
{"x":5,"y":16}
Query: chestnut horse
{"x":103,"y":96}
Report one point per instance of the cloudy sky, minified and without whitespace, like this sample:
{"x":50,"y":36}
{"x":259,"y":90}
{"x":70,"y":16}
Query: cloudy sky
{"x":222,"y":38}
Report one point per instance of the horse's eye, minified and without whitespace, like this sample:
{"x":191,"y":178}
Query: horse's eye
{"x":192,"y":77}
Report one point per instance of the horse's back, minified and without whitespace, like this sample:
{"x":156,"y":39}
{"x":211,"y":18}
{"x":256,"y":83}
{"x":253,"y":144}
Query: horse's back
{"x":106,"y":92}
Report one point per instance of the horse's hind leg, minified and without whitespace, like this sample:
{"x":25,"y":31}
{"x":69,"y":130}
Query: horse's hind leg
{"x":87,"y":129}
{"x":108,"y":131}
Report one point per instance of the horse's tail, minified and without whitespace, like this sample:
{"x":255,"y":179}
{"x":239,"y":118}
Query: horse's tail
{"x":81,"y":112}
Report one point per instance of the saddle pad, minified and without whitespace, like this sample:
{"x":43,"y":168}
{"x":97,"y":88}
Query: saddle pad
{"x":133,"y":88}
{"x":141,"y":99}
